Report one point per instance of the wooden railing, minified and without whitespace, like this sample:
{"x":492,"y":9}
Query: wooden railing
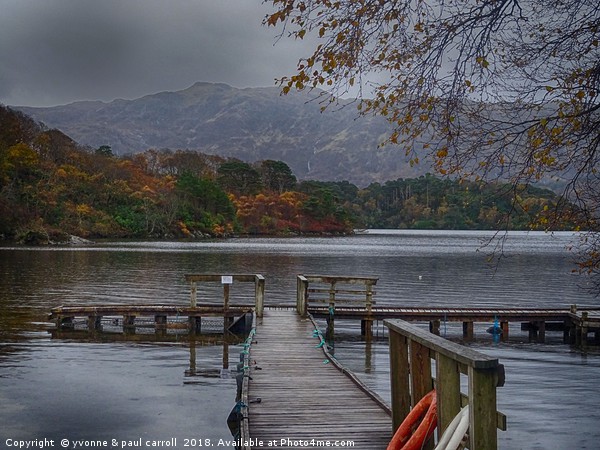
{"x":329,"y":295}
{"x":361,"y":296}
{"x":227,"y":281}
{"x":412,"y":351}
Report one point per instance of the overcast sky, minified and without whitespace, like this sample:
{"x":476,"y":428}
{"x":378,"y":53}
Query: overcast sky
{"x":59,"y":51}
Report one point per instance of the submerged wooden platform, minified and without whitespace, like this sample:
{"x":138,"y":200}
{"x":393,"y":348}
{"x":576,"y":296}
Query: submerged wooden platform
{"x":305,"y":400}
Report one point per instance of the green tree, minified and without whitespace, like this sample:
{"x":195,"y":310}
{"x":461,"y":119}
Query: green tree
{"x":277,"y":176}
{"x":239,"y":178}
{"x":491,"y":89}
{"x":205,"y":195}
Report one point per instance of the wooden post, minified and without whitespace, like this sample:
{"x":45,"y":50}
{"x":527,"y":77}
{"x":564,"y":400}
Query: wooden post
{"x":532,"y":331}
{"x":193,"y":299}
{"x":332,"y":295}
{"x":420,"y":365}
{"x":160,"y":324}
{"x":399,"y":378}
{"x":128,"y":324}
{"x":195,"y":324}
{"x":225,"y":308}
{"x":367,"y":324}
{"x":369,"y":302}
{"x":541,"y":326}
{"x":447,"y":390}
{"x":482,"y":410}
{"x":468,"y":330}
{"x":94,"y":323}
{"x":434,"y":326}
{"x":504,"y":328}
{"x":366,"y":328}
{"x":302,"y":296}
{"x":259,"y":294}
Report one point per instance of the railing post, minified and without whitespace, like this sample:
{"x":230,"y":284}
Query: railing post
{"x":193,"y":293}
{"x":482,"y":409}
{"x":420,"y":369}
{"x":332,"y":295}
{"x":302,"y":295}
{"x":399,"y":378}
{"x":259,"y":293}
{"x":226,"y":321}
{"x":369,"y":300}
{"x":447,"y":390}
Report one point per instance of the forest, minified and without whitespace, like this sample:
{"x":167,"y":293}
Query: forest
{"x":52,"y":188}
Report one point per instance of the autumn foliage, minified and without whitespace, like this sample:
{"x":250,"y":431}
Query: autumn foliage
{"x":51,"y":188}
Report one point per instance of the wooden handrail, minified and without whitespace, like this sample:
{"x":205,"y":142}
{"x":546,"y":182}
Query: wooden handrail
{"x":303,"y":291}
{"x":411,"y":352}
{"x":227,"y":280}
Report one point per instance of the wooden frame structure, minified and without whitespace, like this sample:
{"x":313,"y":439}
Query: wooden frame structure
{"x":359,"y":293}
{"x":227,"y":281}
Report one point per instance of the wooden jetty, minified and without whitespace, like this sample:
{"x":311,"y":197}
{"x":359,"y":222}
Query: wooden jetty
{"x":163,"y":317}
{"x":305,"y":400}
{"x":295,"y":394}
{"x":330,"y":297}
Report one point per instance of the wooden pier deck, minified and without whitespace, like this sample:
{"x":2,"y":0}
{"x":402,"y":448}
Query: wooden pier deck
{"x":302,"y":396}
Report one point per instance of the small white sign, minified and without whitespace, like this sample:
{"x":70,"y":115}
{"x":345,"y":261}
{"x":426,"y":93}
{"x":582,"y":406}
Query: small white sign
{"x":226,"y":279}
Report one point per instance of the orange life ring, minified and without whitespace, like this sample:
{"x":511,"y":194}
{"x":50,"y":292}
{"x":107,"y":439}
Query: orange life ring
{"x":426,"y":412}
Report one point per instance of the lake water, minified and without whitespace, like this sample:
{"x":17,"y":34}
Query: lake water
{"x":75,"y":389}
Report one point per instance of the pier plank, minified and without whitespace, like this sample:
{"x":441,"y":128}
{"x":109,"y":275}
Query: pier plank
{"x":302,"y":396}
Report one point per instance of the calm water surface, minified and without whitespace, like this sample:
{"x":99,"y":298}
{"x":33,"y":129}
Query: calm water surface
{"x":75,"y":389}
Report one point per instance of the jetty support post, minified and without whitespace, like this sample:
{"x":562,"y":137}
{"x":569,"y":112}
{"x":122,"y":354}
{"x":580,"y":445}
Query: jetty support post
{"x":128,"y":323}
{"x":411,"y":352}
{"x":94,"y":322}
{"x":468,"y":330}
{"x":195,"y":324}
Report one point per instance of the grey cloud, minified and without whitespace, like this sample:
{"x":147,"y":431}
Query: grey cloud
{"x":58,"y":51}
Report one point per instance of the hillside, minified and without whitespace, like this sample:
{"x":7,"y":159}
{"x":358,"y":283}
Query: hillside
{"x":251,"y":124}
{"x":51,"y":187}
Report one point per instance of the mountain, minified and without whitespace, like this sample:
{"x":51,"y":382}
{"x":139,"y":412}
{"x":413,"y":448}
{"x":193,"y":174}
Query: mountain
{"x":251,"y":124}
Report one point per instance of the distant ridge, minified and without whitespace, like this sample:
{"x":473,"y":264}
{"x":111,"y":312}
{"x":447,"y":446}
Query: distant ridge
{"x":251,"y":124}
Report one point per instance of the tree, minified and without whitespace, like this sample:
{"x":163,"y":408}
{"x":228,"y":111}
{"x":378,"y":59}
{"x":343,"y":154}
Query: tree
{"x":277,"y":176}
{"x":490,"y":89}
{"x":239,"y":178}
